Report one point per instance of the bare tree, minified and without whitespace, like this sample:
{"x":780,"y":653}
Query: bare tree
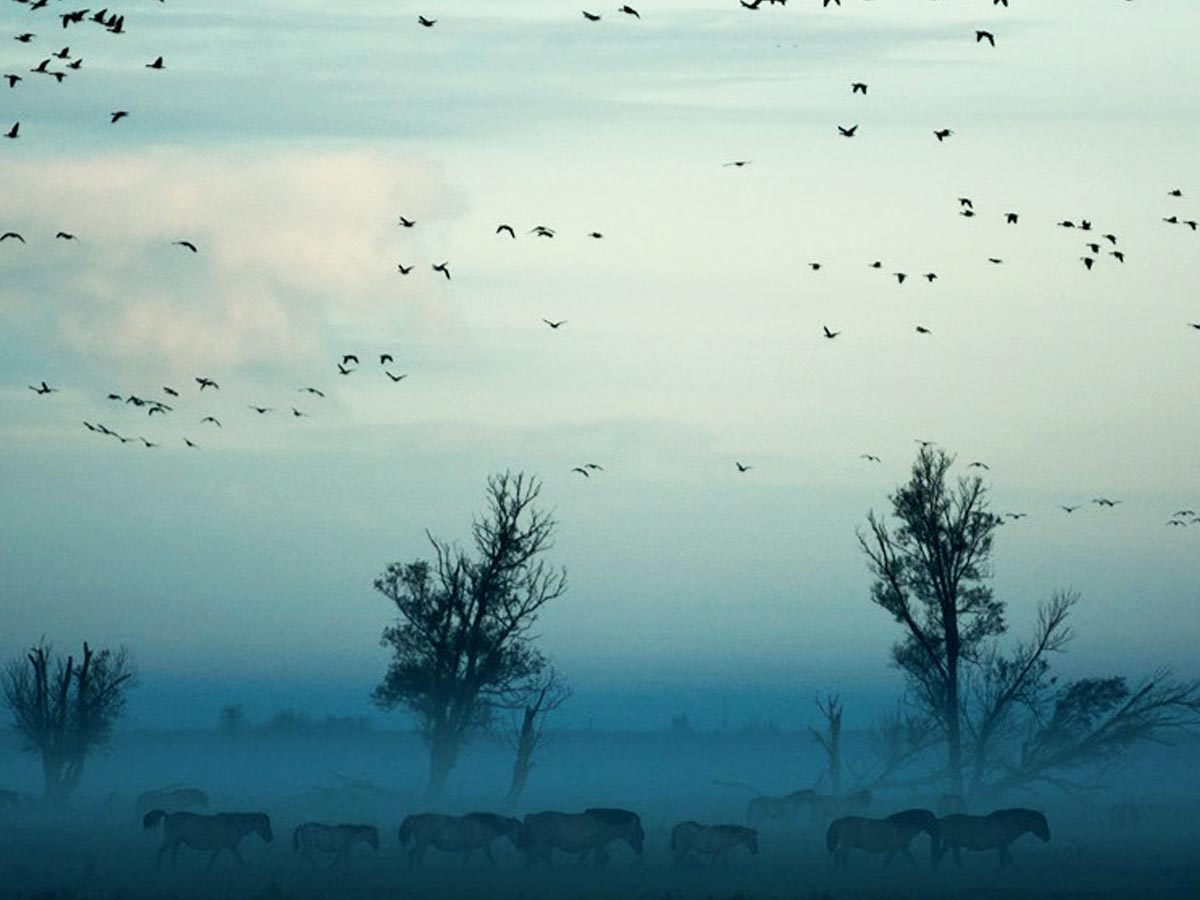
{"x":536,"y":704}
{"x":930,"y":571}
{"x":463,"y":639}
{"x":830,"y":738}
{"x":64,"y":709}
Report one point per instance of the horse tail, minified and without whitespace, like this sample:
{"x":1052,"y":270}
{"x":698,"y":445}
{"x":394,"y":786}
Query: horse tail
{"x":152,"y":818}
{"x":831,"y":836}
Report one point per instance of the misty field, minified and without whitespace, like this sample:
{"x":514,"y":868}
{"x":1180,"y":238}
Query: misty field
{"x":100,"y":850}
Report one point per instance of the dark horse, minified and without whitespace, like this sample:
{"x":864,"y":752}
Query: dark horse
{"x":582,"y":833}
{"x":995,"y":831}
{"x":223,"y":831}
{"x":891,"y":835}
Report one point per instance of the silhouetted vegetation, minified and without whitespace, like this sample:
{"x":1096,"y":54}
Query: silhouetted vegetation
{"x":1004,"y":718}
{"x":65,"y":709}
{"x":462,"y":646}
{"x":539,"y":701}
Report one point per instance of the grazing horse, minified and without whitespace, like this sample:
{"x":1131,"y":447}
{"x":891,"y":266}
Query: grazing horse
{"x":891,"y":835}
{"x":590,"y":831}
{"x":711,"y":840}
{"x":223,"y":831}
{"x":336,"y":839}
{"x":170,"y":800}
{"x":995,"y":831}
{"x":453,"y":834}
{"x":787,"y":807}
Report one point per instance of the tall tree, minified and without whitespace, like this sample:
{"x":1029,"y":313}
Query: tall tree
{"x":830,"y":738}
{"x":930,"y":572}
{"x":64,"y":709}
{"x":463,"y":642}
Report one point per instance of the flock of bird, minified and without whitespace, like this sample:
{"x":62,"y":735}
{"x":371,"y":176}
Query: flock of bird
{"x":61,"y":63}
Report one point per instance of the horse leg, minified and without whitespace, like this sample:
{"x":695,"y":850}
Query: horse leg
{"x":958,"y":855}
{"x":467,"y":854}
{"x":237,"y":854}
{"x":908,"y":855}
{"x":212,"y":859}
{"x":487,"y":851}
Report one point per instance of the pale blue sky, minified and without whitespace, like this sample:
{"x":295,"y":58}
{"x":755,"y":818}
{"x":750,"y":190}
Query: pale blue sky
{"x":286,"y":139}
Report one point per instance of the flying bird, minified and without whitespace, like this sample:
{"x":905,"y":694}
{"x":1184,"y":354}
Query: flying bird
{"x":555,"y":325}
{"x":170,"y":392}
{"x":157,"y":64}
{"x":11,"y":234}
{"x":12,"y":132}
{"x":869,"y":457}
{"x":210,"y":419}
{"x":847,"y":132}
{"x":64,"y":236}
{"x":582,"y":471}
{"x":312,"y":390}
{"x":595,"y":234}
{"x":859,"y":87}
{"x":742,"y":468}
{"x":591,"y":17}
{"x":979,"y":465}
{"x":187,"y":244}
{"x":1010,"y":218}
{"x":395,"y":378}
{"x":966,"y":201}
{"x":931,"y":277}
{"x":985,"y":36}
{"x":118,"y":115}
{"x":630,"y":11}
{"x":207,"y":383}
{"x":942,"y":133}
{"x":830,"y":334}
{"x":444,"y":268}
{"x":297,"y":414}
{"x":404,"y":270}
{"x":595,"y":467}
{"x":43,"y":388}
{"x":1069,"y":509}
{"x":260,"y":409}
{"x":512,"y":234}
{"x":1088,"y":262}
{"x":428,"y":23}
{"x":407,"y":223}
{"x":738,"y":162}
{"x":385,"y":358}
{"x":900,"y":276}
{"x":921,"y":329}
{"x":349,"y":358}
{"x":13,"y":79}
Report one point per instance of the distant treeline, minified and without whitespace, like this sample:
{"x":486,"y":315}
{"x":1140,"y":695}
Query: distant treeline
{"x":233,"y":722}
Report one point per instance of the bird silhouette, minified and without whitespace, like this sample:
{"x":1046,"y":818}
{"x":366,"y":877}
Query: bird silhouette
{"x":312,"y":390}
{"x":170,"y":392}
{"x":118,"y":116}
{"x":966,"y":201}
{"x":985,"y":36}
{"x":921,"y":329}
{"x":1088,"y":262}
{"x":995,"y":260}
{"x":64,"y":236}
{"x":207,"y":383}
{"x":157,"y":64}
{"x":1010,"y":218}
{"x":979,"y":465}
{"x":1111,"y":238}
{"x":582,"y":471}
{"x":1118,"y":254}
{"x":512,"y":234}
{"x":428,"y":23}
{"x":555,"y":325}
{"x":815,"y":266}
{"x":847,"y":132}
{"x":595,"y":235}
{"x":444,"y":268}
{"x":396,"y":378}
{"x":942,"y":133}
{"x":297,"y":414}
{"x":591,"y":17}
{"x":404,"y":270}
{"x":738,"y":163}
{"x":342,"y":370}
{"x":43,"y":388}
{"x":13,"y":132}
{"x":11,"y":235}
{"x":13,"y":79}
{"x":742,"y":468}
{"x":25,"y":38}
{"x":595,"y":467}
{"x":1069,"y":509}
{"x":211,"y":419}
{"x":900,"y":276}
{"x":191,"y":444}
{"x":188,"y":244}
{"x":858,"y":87}
{"x":829,"y":334}
{"x":348,"y":358}
{"x":260,"y":409}
{"x":385,"y":358}
{"x":869,"y":457}
{"x":931,"y":277}
{"x":1175,"y":192}
{"x":630,"y":11}
{"x":407,"y":223}
{"x":753,"y":4}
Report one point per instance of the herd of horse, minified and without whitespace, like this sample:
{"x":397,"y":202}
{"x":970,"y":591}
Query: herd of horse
{"x":589,"y":833}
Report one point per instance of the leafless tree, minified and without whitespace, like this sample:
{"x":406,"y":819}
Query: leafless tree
{"x":535,"y":704}
{"x":830,"y":738}
{"x":930,"y":571}
{"x":65,"y":709}
{"x":463,"y":641}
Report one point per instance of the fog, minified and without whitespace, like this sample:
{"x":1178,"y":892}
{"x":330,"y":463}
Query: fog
{"x":1135,"y":837}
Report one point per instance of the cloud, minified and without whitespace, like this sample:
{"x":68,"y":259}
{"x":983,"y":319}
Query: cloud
{"x":292,"y":246}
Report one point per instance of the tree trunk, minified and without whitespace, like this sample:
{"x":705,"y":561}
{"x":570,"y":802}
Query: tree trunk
{"x":443,"y":754}
{"x":524,"y":760}
{"x":953,"y":726}
{"x":835,"y":752}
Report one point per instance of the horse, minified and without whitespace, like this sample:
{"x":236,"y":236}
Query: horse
{"x":711,"y":840}
{"x":170,"y":800}
{"x":222,"y":831}
{"x":996,"y":831}
{"x":787,"y":807}
{"x":891,"y":835}
{"x":336,"y":839}
{"x":590,"y":831}
{"x":474,"y":831}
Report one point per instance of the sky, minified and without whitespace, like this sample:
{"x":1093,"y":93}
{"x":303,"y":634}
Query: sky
{"x":285,"y":140}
